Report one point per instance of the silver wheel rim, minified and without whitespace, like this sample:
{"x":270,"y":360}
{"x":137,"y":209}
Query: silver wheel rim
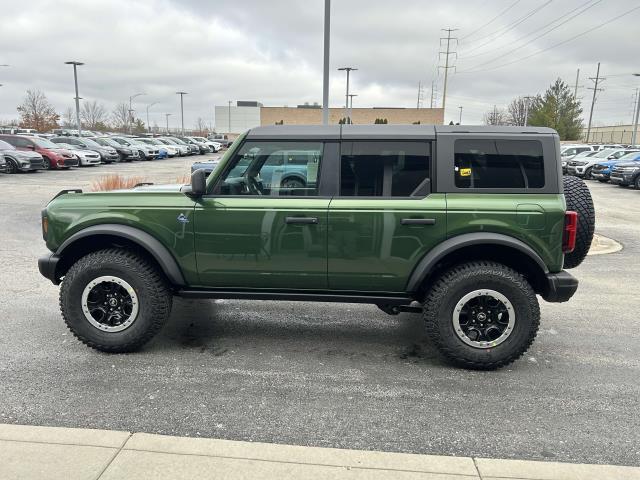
{"x":110,"y":304}
{"x":483,"y":318}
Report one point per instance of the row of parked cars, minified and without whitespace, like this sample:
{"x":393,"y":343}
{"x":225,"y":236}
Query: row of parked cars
{"x":618,"y":164}
{"x":28,"y":152}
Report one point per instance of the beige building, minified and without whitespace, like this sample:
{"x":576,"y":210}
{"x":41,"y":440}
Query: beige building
{"x":610,"y":134}
{"x":313,"y":116}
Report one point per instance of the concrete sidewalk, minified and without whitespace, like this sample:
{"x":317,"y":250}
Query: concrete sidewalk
{"x":68,"y":454}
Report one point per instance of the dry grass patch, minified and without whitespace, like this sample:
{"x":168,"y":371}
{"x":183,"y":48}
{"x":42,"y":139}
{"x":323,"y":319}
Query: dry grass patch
{"x":115,"y":182}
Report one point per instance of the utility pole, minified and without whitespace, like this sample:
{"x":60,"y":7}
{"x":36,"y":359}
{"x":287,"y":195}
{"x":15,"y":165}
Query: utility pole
{"x":167,"y":119}
{"x":182,"y":94}
{"x":346,"y":101}
{"x":527,"y":103}
{"x":447,"y":65}
{"x":575,"y":90}
{"x":634,"y":136}
{"x":460,"y":121}
{"x":75,"y":79}
{"x":229,"y":116}
{"x":325,"y":71}
{"x":148,"y":124}
{"x":595,"y":89}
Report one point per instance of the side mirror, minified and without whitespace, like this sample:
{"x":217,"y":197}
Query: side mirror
{"x":31,"y":147}
{"x":198,"y":183}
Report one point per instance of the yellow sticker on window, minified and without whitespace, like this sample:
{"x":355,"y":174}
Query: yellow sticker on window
{"x":465,"y":172}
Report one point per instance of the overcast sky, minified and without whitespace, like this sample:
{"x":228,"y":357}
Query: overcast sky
{"x":271,"y":51}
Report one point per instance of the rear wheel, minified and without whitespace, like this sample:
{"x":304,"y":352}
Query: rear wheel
{"x":636,"y":184}
{"x":587,"y":174}
{"x":481,"y":315}
{"x":578,"y":198}
{"x":114,"y":300}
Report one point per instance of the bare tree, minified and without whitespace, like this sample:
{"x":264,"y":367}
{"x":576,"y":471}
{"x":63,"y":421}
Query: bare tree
{"x":120,"y":117}
{"x":201,"y":127}
{"x":517,"y":111}
{"x":69,"y":118}
{"x":496,"y":116}
{"x":93,"y":115}
{"x":36,"y":112}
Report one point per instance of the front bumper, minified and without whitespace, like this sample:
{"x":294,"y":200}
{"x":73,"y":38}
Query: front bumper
{"x":621,"y":179}
{"x":110,"y":157}
{"x":47,"y":264}
{"x":600,"y":175}
{"x":67,"y":162}
{"x":560,"y":287}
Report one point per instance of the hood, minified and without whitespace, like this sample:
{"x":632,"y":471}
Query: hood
{"x":23,"y":154}
{"x":635,"y":163}
{"x":170,"y":187}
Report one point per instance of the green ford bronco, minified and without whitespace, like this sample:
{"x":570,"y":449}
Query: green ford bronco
{"x":465,"y":225}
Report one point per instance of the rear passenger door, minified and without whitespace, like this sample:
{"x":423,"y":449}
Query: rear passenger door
{"x":384,"y":218}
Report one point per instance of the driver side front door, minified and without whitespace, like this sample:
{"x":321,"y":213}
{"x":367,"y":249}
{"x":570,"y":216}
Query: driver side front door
{"x":254,"y":231}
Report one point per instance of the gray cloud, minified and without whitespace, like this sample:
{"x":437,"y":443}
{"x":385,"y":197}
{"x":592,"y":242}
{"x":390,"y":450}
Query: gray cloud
{"x":272,"y":52}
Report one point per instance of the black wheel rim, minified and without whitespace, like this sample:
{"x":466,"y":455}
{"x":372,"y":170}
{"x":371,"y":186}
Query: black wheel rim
{"x":483,"y":318}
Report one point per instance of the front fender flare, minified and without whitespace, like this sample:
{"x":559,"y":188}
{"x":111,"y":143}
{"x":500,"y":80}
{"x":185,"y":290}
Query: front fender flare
{"x":158,"y":251}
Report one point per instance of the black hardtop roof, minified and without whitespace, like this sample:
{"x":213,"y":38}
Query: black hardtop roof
{"x":400,"y":132}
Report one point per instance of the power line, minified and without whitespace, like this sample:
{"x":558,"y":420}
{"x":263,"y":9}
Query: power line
{"x":501,"y":32}
{"x":553,"y":46}
{"x":493,"y":19}
{"x":570,"y":12}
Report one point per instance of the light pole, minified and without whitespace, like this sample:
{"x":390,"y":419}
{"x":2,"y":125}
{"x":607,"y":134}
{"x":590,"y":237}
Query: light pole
{"x":325,"y":72}
{"x":182,"y":94}
{"x":460,"y":121}
{"x":131,"y":110}
{"x":351,"y":95}
{"x":229,"y":118}
{"x":346,"y":101}
{"x":634,"y":137}
{"x":148,"y":107}
{"x":167,"y":119}
{"x":75,"y":79}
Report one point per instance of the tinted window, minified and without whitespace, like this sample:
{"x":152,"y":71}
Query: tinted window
{"x":268,"y":168}
{"x":389,"y":169}
{"x":6,"y":146}
{"x":499,"y":164}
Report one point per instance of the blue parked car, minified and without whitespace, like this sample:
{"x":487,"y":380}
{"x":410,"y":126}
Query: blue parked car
{"x":208,"y":166}
{"x":602,"y":171}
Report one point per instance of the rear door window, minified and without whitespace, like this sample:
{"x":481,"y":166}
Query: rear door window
{"x":498,"y":164}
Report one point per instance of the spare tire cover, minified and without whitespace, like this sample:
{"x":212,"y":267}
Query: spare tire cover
{"x":578,"y":198}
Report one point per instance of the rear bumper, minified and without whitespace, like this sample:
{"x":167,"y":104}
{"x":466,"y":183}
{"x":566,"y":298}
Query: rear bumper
{"x":47,"y":264}
{"x":560,"y":287}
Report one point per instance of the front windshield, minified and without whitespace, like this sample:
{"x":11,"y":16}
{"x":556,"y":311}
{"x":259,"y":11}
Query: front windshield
{"x":163,"y":141}
{"x":630,"y":156}
{"x":43,"y":143}
{"x":6,"y":146}
{"x":178,"y":141}
{"x":90,"y":143}
{"x":604,"y":153}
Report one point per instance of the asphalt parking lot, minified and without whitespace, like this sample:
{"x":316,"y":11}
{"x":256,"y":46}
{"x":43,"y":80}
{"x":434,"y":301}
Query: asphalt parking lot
{"x":345,"y":376}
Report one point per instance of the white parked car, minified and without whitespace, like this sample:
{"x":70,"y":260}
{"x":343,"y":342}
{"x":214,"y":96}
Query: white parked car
{"x":567,"y":152}
{"x":85,"y":158}
{"x":213,"y":145}
{"x":171,"y":150}
{"x":182,"y":148}
{"x":582,"y":165}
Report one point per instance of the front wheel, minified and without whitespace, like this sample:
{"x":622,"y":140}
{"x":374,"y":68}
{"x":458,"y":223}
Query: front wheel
{"x":47,"y":163}
{"x":114,"y":300}
{"x":481,"y":315}
{"x":636,"y":184}
{"x":12,"y":167}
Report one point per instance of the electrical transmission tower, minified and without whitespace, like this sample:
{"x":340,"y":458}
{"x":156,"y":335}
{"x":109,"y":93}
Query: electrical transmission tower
{"x":420,"y":95}
{"x":434,"y":93}
{"x":597,"y":79}
{"x":447,"y":63}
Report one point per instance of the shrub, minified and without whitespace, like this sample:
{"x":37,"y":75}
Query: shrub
{"x":115,"y":182}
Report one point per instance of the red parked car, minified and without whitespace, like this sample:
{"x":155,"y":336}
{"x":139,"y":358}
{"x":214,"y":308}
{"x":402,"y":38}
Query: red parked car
{"x":53,"y":155}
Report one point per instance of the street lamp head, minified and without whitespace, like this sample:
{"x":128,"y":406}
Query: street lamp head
{"x":182,"y":93}
{"x":636,"y":74}
{"x":73,"y":63}
{"x":348,"y":69}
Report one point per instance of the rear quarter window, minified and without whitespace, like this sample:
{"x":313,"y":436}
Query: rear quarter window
{"x":495,"y":164}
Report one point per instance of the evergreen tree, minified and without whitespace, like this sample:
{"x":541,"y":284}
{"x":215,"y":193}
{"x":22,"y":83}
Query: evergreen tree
{"x":558,"y":109}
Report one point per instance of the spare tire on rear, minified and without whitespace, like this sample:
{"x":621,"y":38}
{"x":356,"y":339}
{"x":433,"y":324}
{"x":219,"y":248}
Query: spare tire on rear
{"x":579,"y":200}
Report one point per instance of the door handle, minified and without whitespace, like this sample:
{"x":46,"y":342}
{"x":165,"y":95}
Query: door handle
{"x":418,"y":221}
{"x":301,"y":220}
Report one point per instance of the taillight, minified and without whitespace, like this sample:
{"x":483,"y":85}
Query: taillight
{"x":570,"y":231}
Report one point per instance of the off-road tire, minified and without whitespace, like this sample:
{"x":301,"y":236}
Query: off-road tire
{"x":444,"y":294}
{"x":579,"y":200}
{"x":152,"y":290}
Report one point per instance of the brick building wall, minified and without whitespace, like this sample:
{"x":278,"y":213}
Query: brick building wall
{"x":362,"y":116}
